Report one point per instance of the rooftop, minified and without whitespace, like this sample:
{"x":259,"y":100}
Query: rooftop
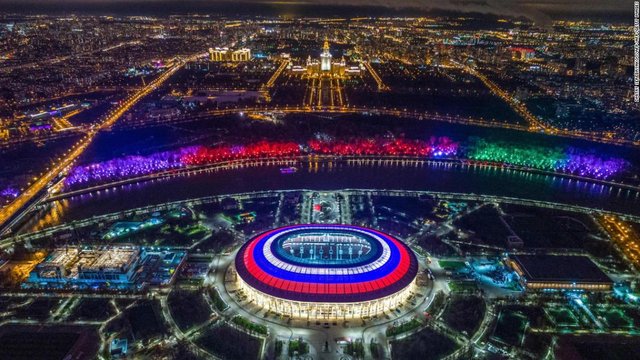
{"x":560,"y":268}
{"x":108,"y":258}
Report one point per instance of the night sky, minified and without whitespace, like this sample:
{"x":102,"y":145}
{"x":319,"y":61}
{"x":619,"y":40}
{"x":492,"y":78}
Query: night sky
{"x":541,"y":12}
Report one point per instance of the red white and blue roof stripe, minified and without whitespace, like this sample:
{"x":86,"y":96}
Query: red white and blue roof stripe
{"x":261,"y":265}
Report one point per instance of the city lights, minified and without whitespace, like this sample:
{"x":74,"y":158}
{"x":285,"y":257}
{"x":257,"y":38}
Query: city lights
{"x":319,"y":180}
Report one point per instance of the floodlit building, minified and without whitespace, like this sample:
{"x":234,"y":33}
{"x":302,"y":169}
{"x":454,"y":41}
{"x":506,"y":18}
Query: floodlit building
{"x":559,"y":272}
{"x":225,"y":54}
{"x":119,"y":348}
{"x":325,"y":57}
{"x":74,"y":264}
{"x":241,"y":55}
{"x":326,"y":66}
{"x":218,"y":54}
{"x":522,"y":53}
{"x":326,"y":271}
{"x":109,"y":266}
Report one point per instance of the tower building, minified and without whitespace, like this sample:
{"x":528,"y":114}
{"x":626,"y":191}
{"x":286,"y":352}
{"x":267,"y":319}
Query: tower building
{"x":325,"y":57}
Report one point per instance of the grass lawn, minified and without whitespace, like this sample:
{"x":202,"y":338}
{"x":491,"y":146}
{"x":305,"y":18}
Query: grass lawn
{"x":615,"y":318}
{"x":510,"y":327}
{"x":462,"y":287}
{"x":402,"y":328}
{"x":229,"y":343}
{"x":188,"y":308}
{"x":464,"y":313}
{"x":425,"y":345}
{"x":563,"y":317}
{"x":451,"y":265}
{"x":598,"y":347}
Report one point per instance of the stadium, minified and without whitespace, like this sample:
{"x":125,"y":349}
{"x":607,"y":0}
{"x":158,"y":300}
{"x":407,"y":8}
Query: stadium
{"x":326,"y":271}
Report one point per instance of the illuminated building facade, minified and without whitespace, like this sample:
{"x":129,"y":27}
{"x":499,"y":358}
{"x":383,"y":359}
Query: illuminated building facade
{"x":522,"y":53}
{"x":226,"y":55}
{"x":325,"y":66}
{"x":325,"y":57}
{"x":241,"y":55}
{"x":559,"y":272}
{"x":326,"y":271}
{"x":74,"y":264}
{"x":117,"y":267}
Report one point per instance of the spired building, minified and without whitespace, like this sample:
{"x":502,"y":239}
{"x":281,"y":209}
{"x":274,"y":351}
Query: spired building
{"x":325,"y":57}
{"x":326,"y":66}
{"x":325,"y":77}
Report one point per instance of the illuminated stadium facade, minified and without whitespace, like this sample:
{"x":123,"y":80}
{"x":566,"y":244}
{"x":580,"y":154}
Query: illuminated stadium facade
{"x":326,"y":271}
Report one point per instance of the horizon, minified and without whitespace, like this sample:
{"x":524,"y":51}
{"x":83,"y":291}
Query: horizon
{"x":541,"y":15}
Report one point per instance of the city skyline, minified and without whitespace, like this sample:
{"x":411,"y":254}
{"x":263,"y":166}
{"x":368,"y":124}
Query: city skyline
{"x":542,"y":12}
{"x":350,"y":180}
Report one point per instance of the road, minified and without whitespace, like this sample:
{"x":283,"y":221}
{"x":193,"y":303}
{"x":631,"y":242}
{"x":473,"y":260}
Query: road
{"x":8,"y":241}
{"x":59,"y":59}
{"x":63,"y":163}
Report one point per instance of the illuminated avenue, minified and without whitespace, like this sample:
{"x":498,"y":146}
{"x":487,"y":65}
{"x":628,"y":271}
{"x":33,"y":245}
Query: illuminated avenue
{"x":67,"y":159}
{"x":383,"y":183}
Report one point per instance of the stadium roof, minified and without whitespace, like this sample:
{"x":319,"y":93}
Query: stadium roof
{"x":391,"y":270}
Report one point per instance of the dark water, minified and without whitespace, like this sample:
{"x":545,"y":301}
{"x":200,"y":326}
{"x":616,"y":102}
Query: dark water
{"x":444,"y":178}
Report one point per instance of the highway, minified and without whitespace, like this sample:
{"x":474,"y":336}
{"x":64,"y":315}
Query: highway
{"x":518,"y":107}
{"x":276,"y":74}
{"x":376,"y":77}
{"x":9,"y":212}
{"x":59,"y":59}
{"x":536,"y":124}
